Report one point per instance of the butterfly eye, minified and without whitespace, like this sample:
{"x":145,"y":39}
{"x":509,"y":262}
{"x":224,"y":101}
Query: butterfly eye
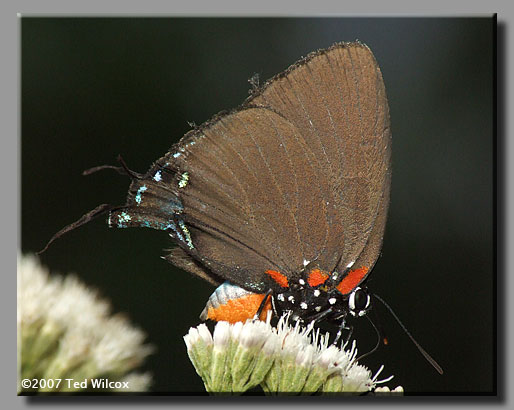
{"x":358,"y":302}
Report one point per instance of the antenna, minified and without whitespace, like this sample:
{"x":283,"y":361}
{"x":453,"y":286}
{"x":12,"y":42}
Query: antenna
{"x":421,"y":350}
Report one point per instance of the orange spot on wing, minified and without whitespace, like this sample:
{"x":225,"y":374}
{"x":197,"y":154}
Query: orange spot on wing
{"x":239,"y":310}
{"x":351,"y":280}
{"x":316,"y":277}
{"x":278,"y":277}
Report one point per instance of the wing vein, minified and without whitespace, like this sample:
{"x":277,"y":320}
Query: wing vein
{"x":275,"y":182}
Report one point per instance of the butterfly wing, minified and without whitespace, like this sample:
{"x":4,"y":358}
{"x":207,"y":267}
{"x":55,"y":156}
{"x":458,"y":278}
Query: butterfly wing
{"x":298,"y":175}
{"x":338,"y":99}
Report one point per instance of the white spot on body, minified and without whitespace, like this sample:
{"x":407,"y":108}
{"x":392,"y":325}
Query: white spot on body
{"x":291,"y":299}
{"x":317,"y":308}
{"x":350,"y":264}
{"x":317,"y":292}
{"x":332,"y":301}
{"x":176,"y":154}
{"x":351,"y":301}
{"x":301,"y":282}
{"x":303,"y":305}
{"x":280,"y":297}
{"x":306,"y":262}
{"x":158,"y":176}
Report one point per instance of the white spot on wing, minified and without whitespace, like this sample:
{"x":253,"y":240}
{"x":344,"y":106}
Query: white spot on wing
{"x":139,"y":194}
{"x":186,"y":233}
{"x":183,"y":180}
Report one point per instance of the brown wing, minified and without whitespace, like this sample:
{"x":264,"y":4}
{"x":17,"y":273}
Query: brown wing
{"x":338,"y":99}
{"x":299,"y":175}
{"x":254,"y":191}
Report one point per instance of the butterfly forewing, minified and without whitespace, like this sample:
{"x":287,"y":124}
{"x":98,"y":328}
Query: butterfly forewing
{"x":337,"y":97}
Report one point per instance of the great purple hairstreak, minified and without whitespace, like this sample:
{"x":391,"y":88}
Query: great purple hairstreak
{"x":281,"y":203}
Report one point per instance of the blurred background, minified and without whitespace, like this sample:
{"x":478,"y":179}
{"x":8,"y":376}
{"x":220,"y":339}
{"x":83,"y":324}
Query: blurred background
{"x":93,"y":88}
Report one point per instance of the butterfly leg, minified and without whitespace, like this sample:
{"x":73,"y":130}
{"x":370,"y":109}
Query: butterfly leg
{"x":342,"y":327}
{"x":263,"y":303}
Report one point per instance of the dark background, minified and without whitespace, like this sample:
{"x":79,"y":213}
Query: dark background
{"x":94,"y":88}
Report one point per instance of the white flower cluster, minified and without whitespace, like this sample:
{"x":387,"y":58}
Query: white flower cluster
{"x":285,"y":359}
{"x":66,"y":331}
{"x":386,"y":390}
